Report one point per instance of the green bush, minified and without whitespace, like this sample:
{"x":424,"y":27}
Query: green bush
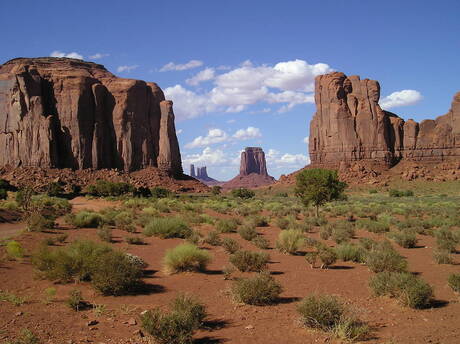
{"x":243,"y":193}
{"x":290,"y":241}
{"x":227,"y":225}
{"x":257,"y":221}
{"x":176,"y":327}
{"x":158,"y":192}
{"x":103,"y":188}
{"x":446,"y":240}
{"x":230,"y":245}
{"x":85,"y":219}
{"x":405,"y":239}
{"x":260,"y":290}
{"x":186,"y":257}
{"x":383,"y":257}
{"x":14,"y":250}
{"x":454,"y":282}
{"x":372,"y":226}
{"x":261,"y":242}
{"x":350,"y":252}
{"x":54,"y":189}
{"x":400,"y":193}
{"x":75,"y":299}
{"x":36,"y":222}
{"x":327,"y":256}
{"x":125,"y":221}
{"x":407,"y":288}
{"x":327,"y":313}
{"x":250,"y":261}
{"x":105,"y":234}
{"x":213,"y":239}
{"x":110,"y":271}
{"x":282,"y":222}
{"x":247,"y":232}
{"x":167,"y":227}
{"x":342,"y":231}
{"x":3,"y":194}
{"x":26,"y":337}
{"x":216,"y":190}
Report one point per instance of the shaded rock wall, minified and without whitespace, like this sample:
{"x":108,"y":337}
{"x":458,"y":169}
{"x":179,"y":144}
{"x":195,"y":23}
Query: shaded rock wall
{"x":349,"y":125}
{"x":66,"y":113}
{"x":253,"y":161}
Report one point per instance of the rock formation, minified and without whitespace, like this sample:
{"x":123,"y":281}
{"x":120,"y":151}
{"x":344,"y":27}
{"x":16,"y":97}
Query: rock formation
{"x":202,"y":175}
{"x":349,"y":126}
{"x":67,"y":113}
{"x":253,"y":170}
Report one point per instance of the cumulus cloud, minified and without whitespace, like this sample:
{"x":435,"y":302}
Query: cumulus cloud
{"x":72,"y":55}
{"x":205,"y":75}
{"x":401,"y":98}
{"x":306,"y":140}
{"x":288,"y":83}
{"x":248,"y":133}
{"x":214,"y":136}
{"x":208,"y":157}
{"x":188,"y":104}
{"x":178,"y":67}
{"x":121,"y":69}
{"x":98,"y":56}
{"x":278,"y":160}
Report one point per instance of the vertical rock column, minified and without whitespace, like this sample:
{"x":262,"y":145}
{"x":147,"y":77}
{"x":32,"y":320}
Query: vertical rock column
{"x":169,"y":158}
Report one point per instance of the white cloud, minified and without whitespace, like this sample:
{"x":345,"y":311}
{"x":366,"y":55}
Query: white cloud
{"x":188,"y":104}
{"x":214,"y":136}
{"x":248,"y":133}
{"x":179,"y":131}
{"x":72,"y":55}
{"x":178,"y":67}
{"x":306,"y":140}
{"x":121,"y":69}
{"x":205,"y":75}
{"x":401,"y":98}
{"x":98,"y":56}
{"x":277,"y":160}
{"x":208,"y":157}
{"x":287,"y":83}
{"x":230,"y":121}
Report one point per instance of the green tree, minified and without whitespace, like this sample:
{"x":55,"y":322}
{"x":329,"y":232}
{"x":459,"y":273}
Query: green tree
{"x":318,"y":186}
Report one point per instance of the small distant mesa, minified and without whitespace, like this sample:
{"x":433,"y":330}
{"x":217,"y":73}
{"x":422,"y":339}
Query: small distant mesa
{"x":202,"y":175}
{"x":253,"y":170}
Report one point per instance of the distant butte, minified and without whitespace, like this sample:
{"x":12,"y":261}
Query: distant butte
{"x":253,"y":170}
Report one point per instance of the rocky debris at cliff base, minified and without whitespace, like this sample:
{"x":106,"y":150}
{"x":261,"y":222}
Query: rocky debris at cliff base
{"x":249,"y":181}
{"x":40,"y":178}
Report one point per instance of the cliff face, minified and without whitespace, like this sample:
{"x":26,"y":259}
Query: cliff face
{"x":66,"y":113}
{"x":349,"y":125}
{"x":253,"y":161}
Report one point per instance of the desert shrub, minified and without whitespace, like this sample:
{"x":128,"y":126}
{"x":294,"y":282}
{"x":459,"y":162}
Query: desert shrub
{"x":406,"y":239}
{"x":135,"y":240}
{"x":54,"y":189}
{"x":105,"y":234}
{"x":213,"y":239}
{"x":12,"y":298}
{"x":216,"y":190}
{"x":373,"y":191}
{"x":282,"y":222}
{"x":142,"y":191}
{"x":384,"y":257}
{"x":85,"y":219}
{"x":260,"y":290}
{"x":125,"y":221}
{"x":446,"y":240}
{"x":25,"y":337}
{"x":372,"y":226}
{"x":400,"y":193}
{"x":167,"y":227}
{"x":290,"y":241}
{"x":110,"y":271}
{"x":158,"y":192}
{"x":327,"y":313}
{"x":227,"y":225}
{"x":367,"y":243}
{"x":176,"y":327}
{"x":350,"y":252}
{"x":327,"y":256}
{"x":454,"y":282}
{"x":342,"y":231}
{"x":249,"y":260}
{"x":325,"y":232}
{"x":258,"y":221}
{"x":243,"y":193}
{"x":186,"y":257}
{"x":103,"y":188}
{"x":5,"y":185}
{"x":316,"y":220}
{"x":247,"y":232}
{"x":36,"y":222}
{"x":311,"y":258}
{"x":230,"y":245}
{"x":261,"y":242}
{"x":442,"y":257}
{"x":75,"y":299}
{"x":407,"y":288}
{"x":3,"y":194}
{"x":323,"y":311}
{"x":14,"y":250}
{"x":61,"y":238}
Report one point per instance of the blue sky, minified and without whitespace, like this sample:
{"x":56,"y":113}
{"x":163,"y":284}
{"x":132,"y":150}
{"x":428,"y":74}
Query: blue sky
{"x":240,"y":72}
